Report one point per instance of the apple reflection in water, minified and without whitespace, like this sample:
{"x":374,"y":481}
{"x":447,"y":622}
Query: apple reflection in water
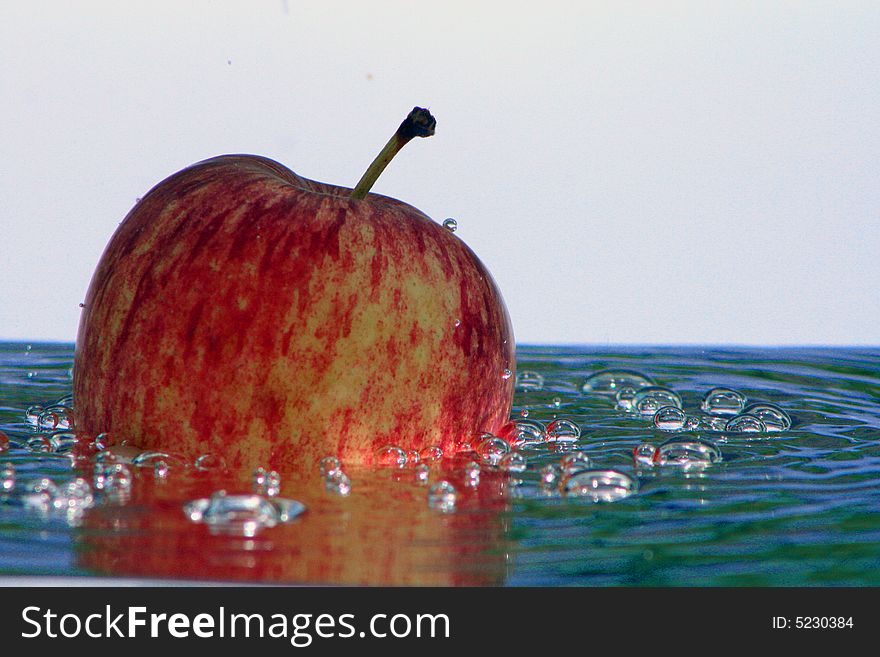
{"x":382,"y":533}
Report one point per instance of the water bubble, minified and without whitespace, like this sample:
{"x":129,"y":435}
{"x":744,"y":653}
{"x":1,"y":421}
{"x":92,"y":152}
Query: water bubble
{"x":32,"y":415}
{"x":442,"y":497}
{"x":266,"y":482}
{"x":63,"y":442}
{"x":687,"y":453}
{"x":422,"y":473}
{"x":151,"y":459}
{"x":329,"y":466}
{"x":713,"y":422}
{"x":598,"y":485}
{"x":670,"y":418}
{"x":242,"y":515}
{"x":472,"y":474}
{"x":651,"y":399}
{"x":645,"y":454}
{"x":773,"y":417}
{"x":550,"y":475}
{"x":102,"y":441}
{"x":513,"y":462}
{"x":431,"y":454}
{"x":390,"y":456}
{"x":506,"y":374}
{"x":529,"y":380}
{"x":7,"y":478}
{"x":338,"y":483}
{"x":529,"y":432}
{"x":563,"y":430}
{"x":39,"y":444}
{"x":608,"y":382}
{"x":208,"y":462}
{"x":723,"y":401}
{"x":625,"y":398}
{"x":450,"y":224}
{"x":491,"y":449}
{"x":574,"y":462}
{"x":745,"y":423}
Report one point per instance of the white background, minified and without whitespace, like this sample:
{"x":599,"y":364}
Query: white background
{"x":631,"y":172}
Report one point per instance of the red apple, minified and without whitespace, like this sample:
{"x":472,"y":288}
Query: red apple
{"x":245,"y":311}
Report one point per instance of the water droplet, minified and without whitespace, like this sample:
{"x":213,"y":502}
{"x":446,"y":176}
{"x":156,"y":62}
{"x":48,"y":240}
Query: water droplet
{"x":413,"y":457}
{"x":506,"y":374}
{"x":4,"y":442}
{"x":773,"y":417}
{"x":208,"y":462}
{"x":529,"y":432}
{"x":645,"y":454}
{"x":723,"y":401}
{"x":422,"y":473}
{"x":529,"y":380}
{"x":472,"y":474}
{"x":150,"y":459}
{"x":574,"y":462}
{"x":63,"y":442}
{"x":450,"y":224}
{"x":7,"y":478}
{"x":431,"y":454}
{"x":513,"y":462}
{"x":160,"y":469}
{"x":524,"y":412}
{"x":102,"y":441}
{"x":557,"y":402}
{"x":608,"y":382}
{"x":745,"y":423}
{"x":390,"y":456}
{"x":266,"y":482}
{"x":651,"y":399}
{"x":32,"y":415}
{"x":625,"y":398}
{"x":338,"y":483}
{"x":670,"y":418}
{"x":457,"y":323}
{"x":442,"y":497}
{"x":48,"y":420}
{"x":691,"y":423}
{"x":491,"y":449}
{"x":550,"y":475}
{"x":599,"y":485}
{"x":39,"y":444}
{"x":563,"y":430}
{"x":713,"y":422}
{"x":242,"y":515}
{"x":329,"y":466}
{"x":687,"y":453}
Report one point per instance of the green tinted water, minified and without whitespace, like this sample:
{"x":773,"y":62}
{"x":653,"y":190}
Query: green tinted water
{"x":800,"y":507}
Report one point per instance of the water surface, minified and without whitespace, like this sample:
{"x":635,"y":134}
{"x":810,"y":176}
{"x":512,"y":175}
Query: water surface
{"x":799,"y":507}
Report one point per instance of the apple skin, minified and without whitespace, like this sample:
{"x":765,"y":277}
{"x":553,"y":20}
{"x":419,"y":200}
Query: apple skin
{"x":244,"y":311}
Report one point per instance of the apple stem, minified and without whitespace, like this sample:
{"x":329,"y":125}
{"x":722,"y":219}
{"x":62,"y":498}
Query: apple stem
{"x":418,"y":123}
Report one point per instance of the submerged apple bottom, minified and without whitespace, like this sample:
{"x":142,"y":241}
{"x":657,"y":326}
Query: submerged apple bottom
{"x":243,"y":312}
